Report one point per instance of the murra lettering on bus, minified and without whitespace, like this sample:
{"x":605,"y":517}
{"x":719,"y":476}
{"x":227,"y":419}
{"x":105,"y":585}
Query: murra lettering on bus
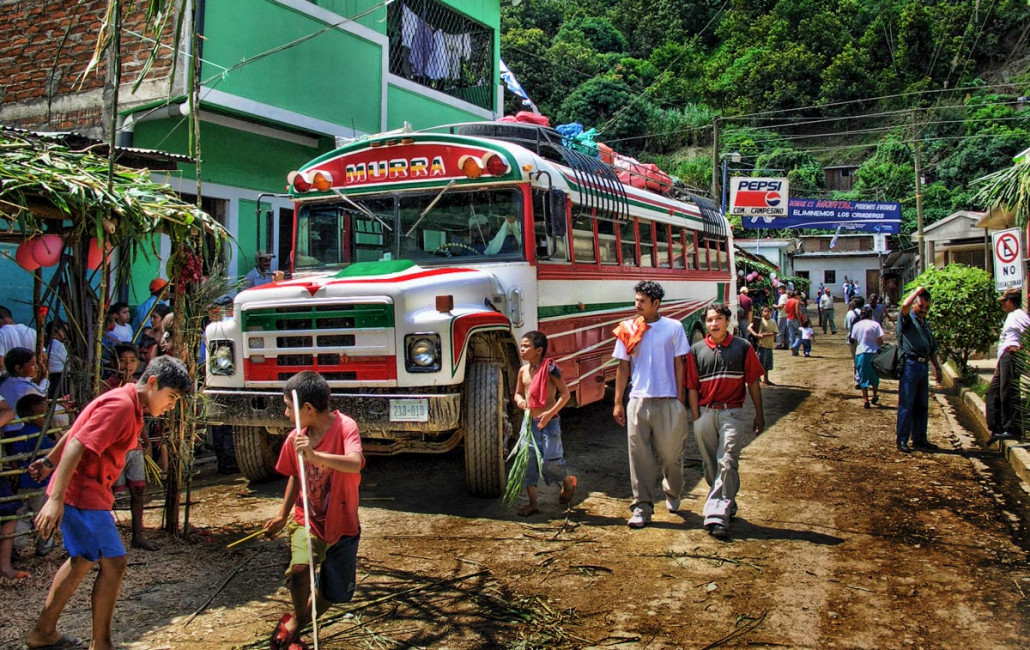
{"x":381,"y":170}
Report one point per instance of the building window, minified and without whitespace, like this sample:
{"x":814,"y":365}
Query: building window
{"x":442,"y":49}
{"x":829,"y":277}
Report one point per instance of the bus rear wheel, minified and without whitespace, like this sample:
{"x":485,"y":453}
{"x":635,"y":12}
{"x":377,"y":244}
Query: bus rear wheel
{"x":485,"y":414}
{"x":256,"y":453}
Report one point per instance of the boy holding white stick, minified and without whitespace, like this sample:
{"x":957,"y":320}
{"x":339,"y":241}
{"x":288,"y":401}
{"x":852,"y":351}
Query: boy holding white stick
{"x":332,"y":464}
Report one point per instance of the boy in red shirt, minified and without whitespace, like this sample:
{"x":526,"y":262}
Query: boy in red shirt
{"x":333,"y":460}
{"x":720,"y":370}
{"x":88,"y":460}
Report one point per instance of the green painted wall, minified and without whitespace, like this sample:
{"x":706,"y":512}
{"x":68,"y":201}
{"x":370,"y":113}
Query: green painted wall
{"x":421,"y":112}
{"x":335,"y":76}
{"x":230,"y":156}
{"x":146,"y":266}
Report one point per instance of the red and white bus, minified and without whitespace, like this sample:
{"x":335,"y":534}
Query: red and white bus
{"x":419,"y":259}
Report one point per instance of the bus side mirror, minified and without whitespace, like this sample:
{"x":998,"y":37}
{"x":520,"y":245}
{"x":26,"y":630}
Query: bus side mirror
{"x":556,"y":224}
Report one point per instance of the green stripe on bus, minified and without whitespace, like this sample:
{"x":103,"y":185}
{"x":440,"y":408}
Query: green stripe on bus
{"x":314,"y":318}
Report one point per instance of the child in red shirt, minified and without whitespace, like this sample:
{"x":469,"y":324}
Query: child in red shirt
{"x":333,"y":460}
{"x":88,"y":459}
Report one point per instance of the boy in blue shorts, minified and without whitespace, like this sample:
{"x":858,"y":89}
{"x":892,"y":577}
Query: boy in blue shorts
{"x":85,"y":464}
{"x":331,"y":445}
{"x":542,"y":390}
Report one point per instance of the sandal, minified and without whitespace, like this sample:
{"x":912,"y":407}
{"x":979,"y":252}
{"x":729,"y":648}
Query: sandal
{"x":281,"y":638}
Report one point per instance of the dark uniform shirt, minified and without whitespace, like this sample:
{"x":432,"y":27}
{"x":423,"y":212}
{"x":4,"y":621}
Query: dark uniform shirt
{"x":915,"y":338}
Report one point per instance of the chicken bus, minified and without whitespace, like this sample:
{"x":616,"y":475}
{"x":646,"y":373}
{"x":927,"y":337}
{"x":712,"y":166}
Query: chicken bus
{"x":418,"y":261}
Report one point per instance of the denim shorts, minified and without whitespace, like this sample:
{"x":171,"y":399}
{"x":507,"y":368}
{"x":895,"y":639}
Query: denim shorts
{"x":90,"y":534}
{"x":548,"y":441}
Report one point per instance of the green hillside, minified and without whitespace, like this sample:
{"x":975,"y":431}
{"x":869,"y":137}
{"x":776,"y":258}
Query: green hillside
{"x":794,"y":85}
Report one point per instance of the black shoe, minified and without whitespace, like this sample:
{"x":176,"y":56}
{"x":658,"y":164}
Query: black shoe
{"x":866,"y":406}
{"x":924,"y":444}
{"x":904,"y":448}
{"x":876,"y":400}
{"x":999,"y":437}
{"x":718,"y":531}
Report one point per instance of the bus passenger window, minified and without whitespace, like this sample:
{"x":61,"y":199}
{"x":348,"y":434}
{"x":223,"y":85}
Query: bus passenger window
{"x":677,"y":248}
{"x":607,"y":239}
{"x":583,"y":239}
{"x":724,"y":256}
{"x":548,"y":247}
{"x":628,"y":237}
{"x":646,"y":244}
{"x":691,"y":250}
{"x":706,"y":256}
{"x":662,"y":245}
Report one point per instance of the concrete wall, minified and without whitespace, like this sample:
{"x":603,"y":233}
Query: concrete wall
{"x":852,"y":267}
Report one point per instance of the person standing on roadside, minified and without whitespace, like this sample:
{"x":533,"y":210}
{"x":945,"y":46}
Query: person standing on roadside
{"x":919,"y":349}
{"x":720,"y":370}
{"x":826,"y":311}
{"x":781,"y":318}
{"x":746,"y":308}
{"x":793,"y":311}
{"x":651,"y":350}
{"x":868,"y":336}
{"x":1002,"y":395}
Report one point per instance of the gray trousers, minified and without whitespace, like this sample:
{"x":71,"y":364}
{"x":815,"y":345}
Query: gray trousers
{"x":718,"y":439}
{"x":656,"y":431}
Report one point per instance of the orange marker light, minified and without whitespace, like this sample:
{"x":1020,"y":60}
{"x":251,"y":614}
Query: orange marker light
{"x":471,"y":168}
{"x":445,"y":304}
{"x":323,"y":181}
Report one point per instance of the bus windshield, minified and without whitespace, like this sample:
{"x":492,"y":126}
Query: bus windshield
{"x":427,"y":228}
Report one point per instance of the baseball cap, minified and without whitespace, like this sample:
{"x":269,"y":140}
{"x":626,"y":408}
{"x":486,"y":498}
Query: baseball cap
{"x":157,"y":284}
{"x":743,"y":289}
{"x":263,"y":255}
{"x":1014,"y":295}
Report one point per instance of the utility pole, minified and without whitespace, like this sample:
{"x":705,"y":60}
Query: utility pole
{"x":716,"y":188}
{"x":919,"y":195}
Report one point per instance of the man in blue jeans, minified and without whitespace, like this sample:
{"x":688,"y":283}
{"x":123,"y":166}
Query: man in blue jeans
{"x":919,"y":349}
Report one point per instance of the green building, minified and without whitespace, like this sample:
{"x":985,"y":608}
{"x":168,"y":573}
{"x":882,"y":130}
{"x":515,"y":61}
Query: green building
{"x":284,"y":81}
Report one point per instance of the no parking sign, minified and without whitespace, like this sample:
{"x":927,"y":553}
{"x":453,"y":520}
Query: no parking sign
{"x":1008,"y":259}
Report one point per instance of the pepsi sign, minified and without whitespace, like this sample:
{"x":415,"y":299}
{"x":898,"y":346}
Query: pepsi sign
{"x":759,"y":197}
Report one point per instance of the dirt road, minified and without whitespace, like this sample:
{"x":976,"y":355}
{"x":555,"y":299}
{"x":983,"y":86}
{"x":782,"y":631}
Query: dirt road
{"x":840,"y":542}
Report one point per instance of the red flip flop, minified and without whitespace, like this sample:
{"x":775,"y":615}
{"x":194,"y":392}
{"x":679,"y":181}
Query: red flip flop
{"x":281,"y":638}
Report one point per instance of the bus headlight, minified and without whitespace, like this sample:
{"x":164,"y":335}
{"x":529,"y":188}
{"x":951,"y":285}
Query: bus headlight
{"x":221,"y":358}
{"x":422,"y":352}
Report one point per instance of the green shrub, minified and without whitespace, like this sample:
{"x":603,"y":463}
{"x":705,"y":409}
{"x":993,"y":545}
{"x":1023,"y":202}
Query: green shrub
{"x":965,"y":314}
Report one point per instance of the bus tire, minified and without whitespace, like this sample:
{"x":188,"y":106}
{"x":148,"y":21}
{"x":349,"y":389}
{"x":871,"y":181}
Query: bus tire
{"x":256,"y":453}
{"x":485,"y":414}
{"x":696,"y":335}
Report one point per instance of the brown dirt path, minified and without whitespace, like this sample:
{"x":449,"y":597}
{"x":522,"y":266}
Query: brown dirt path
{"x":840,"y":542}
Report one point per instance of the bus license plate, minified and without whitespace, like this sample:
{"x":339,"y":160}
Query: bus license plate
{"x":409,"y":410}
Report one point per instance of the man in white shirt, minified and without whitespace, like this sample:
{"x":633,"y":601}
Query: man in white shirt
{"x":781,"y":318}
{"x":651,"y":349}
{"x":1002,"y":396}
{"x":262,"y":272}
{"x":14,"y":335}
{"x":826,"y":311}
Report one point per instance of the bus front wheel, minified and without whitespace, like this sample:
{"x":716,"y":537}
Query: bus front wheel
{"x":256,"y":453}
{"x":485,"y":413}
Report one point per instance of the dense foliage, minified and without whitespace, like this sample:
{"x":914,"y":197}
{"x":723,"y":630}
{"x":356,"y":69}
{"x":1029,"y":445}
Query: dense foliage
{"x":965,"y":315}
{"x":797,"y":85}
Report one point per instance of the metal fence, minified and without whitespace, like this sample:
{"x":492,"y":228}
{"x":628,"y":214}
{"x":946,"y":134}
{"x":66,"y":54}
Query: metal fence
{"x":439,"y":48}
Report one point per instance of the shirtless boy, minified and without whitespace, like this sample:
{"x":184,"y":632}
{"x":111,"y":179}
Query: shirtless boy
{"x":542,"y":390}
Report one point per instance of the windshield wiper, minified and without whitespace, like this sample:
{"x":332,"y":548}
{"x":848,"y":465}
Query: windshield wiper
{"x":428,"y":208}
{"x":365,"y":211}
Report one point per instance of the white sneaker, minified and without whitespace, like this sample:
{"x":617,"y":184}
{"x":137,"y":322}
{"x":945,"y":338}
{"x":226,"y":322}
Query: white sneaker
{"x":639,"y":519}
{"x":672,"y":504}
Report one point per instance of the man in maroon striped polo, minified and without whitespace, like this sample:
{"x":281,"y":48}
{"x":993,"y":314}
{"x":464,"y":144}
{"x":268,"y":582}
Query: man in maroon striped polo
{"x":719,"y":371}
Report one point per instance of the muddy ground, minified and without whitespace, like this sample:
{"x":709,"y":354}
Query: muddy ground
{"x":840,"y":542}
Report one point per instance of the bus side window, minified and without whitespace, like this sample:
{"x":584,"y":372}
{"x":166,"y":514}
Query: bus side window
{"x":646,"y":244}
{"x":607,"y":238}
{"x":662,"y":245}
{"x":678,"y":235}
{"x":628,"y":237}
{"x":583,"y":238}
{"x":548,"y":247}
{"x":691,"y":249}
